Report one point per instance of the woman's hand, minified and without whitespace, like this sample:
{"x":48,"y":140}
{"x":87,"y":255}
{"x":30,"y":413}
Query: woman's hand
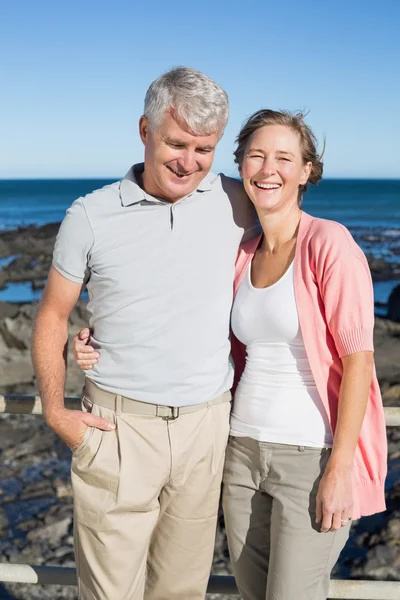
{"x":334,"y":499}
{"x":84,"y":354}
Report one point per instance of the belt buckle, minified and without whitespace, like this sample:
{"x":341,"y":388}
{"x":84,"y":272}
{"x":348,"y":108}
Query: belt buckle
{"x":167,"y":416}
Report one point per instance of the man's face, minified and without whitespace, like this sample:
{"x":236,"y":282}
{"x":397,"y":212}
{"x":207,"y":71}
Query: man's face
{"x":175,"y":159}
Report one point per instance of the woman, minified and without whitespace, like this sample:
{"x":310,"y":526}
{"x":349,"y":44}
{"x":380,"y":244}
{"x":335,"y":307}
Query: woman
{"x":307,"y":451}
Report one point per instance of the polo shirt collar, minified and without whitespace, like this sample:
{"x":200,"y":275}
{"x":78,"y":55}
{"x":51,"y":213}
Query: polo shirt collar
{"x":131,"y":193}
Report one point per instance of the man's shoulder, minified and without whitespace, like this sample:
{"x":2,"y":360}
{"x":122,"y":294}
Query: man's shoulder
{"x":243,"y":211}
{"x":102,"y":197}
{"x":232,"y":187}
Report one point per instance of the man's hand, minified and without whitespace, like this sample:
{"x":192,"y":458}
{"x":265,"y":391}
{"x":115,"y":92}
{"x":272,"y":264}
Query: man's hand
{"x":71,"y":425}
{"x":84,"y":354}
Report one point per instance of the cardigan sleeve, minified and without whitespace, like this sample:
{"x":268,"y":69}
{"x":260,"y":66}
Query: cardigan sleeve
{"x":346,"y":288}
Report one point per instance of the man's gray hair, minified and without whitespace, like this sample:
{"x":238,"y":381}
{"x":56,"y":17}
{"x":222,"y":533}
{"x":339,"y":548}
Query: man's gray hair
{"x":193,"y":97}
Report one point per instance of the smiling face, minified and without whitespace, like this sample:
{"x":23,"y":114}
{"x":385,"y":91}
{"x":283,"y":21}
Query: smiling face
{"x":273,"y":168}
{"x":175,"y":159}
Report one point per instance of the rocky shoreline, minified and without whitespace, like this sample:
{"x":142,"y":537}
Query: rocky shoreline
{"x":35,"y":489}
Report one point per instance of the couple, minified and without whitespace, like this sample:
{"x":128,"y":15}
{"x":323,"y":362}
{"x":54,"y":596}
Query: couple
{"x":159,"y":252}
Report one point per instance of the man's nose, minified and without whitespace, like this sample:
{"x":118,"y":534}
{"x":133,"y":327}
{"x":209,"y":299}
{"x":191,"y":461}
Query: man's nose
{"x":187,"y":162}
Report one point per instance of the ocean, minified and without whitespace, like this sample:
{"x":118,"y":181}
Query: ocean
{"x":369,"y":208}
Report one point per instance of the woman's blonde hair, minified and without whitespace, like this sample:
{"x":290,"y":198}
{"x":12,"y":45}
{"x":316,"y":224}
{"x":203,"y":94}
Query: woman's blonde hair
{"x":295,"y":122}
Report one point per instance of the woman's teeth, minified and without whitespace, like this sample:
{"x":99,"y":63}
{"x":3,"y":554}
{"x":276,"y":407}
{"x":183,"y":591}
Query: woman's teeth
{"x":267,"y":186}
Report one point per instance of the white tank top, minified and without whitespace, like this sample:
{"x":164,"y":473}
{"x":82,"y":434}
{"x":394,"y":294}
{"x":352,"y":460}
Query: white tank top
{"x":276,"y":399}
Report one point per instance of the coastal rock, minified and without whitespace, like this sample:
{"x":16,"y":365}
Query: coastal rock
{"x":3,"y":522}
{"x":30,"y":241}
{"x":52,"y":534}
{"x":8,"y":310}
{"x":393,"y":307}
{"x":16,"y":371}
{"x":381,"y":269}
{"x":28,"y":268}
{"x":391,"y":395}
{"x":387,"y":351}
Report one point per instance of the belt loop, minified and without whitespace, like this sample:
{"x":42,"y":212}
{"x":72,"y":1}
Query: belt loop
{"x":118,"y":404}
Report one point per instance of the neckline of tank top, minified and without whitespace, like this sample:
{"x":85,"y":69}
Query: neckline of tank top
{"x":273,"y":285}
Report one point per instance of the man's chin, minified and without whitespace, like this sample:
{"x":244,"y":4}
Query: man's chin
{"x":184,"y":185}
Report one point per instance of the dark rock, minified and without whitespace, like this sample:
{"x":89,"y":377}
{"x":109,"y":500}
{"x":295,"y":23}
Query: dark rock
{"x":38,"y":284}
{"x":52,"y":534}
{"x":28,"y":268}
{"x":393,"y":307}
{"x":3,"y":522}
{"x":380,"y":268}
{"x":8,"y":311}
{"x":38,"y":489}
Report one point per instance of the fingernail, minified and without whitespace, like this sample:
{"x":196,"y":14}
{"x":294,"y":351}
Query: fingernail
{"x":111,"y":426}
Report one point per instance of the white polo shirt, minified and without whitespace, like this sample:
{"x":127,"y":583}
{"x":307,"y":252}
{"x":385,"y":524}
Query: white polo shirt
{"x":160,"y":283}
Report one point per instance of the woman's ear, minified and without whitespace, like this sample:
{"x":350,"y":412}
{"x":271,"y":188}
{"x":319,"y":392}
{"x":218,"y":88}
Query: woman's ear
{"x":306,"y":173}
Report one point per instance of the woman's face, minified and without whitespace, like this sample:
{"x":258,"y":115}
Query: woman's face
{"x":273,"y":168}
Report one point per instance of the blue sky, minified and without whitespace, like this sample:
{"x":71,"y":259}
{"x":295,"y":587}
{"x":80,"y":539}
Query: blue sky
{"x":73,"y":75}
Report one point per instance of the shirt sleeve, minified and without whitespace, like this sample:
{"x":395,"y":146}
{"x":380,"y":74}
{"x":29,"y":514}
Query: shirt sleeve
{"x":73,"y":244}
{"x":347,"y":294}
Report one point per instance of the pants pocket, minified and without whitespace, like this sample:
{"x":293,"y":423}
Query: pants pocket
{"x":95,"y":473}
{"x":86,"y":406}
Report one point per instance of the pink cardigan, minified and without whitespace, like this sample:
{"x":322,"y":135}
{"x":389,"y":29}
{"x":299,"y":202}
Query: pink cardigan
{"x":334,"y":296}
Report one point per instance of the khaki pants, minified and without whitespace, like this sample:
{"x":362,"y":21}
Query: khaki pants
{"x":276,"y":548}
{"x":145,"y":504}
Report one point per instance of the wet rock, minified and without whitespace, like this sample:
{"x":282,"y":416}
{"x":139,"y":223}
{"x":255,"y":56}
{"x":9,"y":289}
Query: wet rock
{"x":63,"y":489}
{"x":9,"y":310}
{"x":52,"y":534}
{"x":3,"y":522}
{"x":393,"y":307}
{"x":387,"y":351}
{"x":27,"y":268}
{"x":38,"y":489}
{"x":382,"y":269}
{"x":391,"y":396}
{"x":38,"y":284}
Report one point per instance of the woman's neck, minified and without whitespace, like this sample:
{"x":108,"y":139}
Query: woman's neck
{"x":279,"y":228}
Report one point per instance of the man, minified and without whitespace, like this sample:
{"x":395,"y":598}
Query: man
{"x":157,"y":251}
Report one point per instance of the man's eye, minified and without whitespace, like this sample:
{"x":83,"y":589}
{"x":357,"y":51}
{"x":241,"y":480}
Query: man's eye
{"x":176,"y":145}
{"x":284,"y":158}
{"x":256,"y":156}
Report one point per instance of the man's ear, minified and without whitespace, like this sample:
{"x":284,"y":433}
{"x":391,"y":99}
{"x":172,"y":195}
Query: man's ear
{"x":143,"y":128}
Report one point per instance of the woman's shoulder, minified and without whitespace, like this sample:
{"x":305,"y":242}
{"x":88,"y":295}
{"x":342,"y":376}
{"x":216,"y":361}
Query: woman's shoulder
{"x":328,"y":236}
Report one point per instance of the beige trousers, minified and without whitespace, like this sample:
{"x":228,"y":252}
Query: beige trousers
{"x":276,"y":548}
{"x":145,"y":504}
